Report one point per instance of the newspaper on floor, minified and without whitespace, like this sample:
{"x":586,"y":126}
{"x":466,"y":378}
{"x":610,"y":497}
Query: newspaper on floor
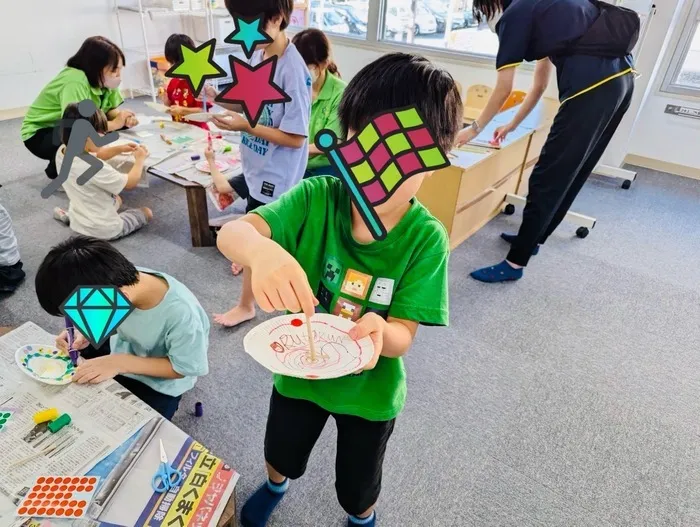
{"x":102,"y":417}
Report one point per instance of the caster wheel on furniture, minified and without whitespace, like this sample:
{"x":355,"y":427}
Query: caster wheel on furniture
{"x":509,"y":209}
{"x":626,"y":184}
{"x":582,"y":232}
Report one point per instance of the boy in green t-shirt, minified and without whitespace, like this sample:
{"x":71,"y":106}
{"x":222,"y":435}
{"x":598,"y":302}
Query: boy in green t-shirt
{"x":312,"y":248}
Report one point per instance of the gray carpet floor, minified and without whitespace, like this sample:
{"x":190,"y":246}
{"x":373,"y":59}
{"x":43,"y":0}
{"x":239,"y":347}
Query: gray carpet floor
{"x":567,"y":399}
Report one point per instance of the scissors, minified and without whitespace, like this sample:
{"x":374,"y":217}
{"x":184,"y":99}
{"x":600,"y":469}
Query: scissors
{"x":166,"y":476}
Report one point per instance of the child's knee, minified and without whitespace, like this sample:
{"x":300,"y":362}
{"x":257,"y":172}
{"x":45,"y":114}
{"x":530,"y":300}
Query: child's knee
{"x":148,"y":212}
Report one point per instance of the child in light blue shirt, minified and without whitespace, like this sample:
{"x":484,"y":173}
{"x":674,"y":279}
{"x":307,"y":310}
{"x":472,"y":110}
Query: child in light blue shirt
{"x":159,"y":350}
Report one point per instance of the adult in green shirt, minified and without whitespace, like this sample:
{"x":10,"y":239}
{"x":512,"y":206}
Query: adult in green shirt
{"x":327,"y":90}
{"x":94,"y":72}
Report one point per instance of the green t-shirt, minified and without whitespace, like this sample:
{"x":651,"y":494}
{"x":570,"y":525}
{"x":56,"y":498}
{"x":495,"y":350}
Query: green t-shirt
{"x":403,"y":276}
{"x":324,"y":114}
{"x":70,"y":85}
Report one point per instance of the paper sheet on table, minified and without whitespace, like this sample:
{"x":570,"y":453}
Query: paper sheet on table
{"x":103,"y":417}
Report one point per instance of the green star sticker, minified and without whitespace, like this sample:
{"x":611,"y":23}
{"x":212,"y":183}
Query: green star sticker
{"x":248,"y":34}
{"x":197,"y":65}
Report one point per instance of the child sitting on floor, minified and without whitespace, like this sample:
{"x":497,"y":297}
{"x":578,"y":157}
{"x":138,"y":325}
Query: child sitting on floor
{"x":177,"y":94}
{"x":94,"y":206}
{"x":159,"y":350}
{"x":312,"y":247}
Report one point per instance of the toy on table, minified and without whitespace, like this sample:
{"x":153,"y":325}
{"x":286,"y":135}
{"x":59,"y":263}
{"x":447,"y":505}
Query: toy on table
{"x":283,"y":345}
{"x":58,"y":497}
{"x":46,"y":415}
{"x":56,"y":425}
{"x":45,"y":364}
{"x":166,"y":477}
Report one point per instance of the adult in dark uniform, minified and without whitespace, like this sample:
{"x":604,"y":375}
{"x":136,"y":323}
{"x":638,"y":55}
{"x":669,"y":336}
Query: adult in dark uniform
{"x":582,"y":40}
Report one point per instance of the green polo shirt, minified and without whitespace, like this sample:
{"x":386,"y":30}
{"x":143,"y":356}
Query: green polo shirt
{"x":324,"y":114}
{"x":69,"y":86}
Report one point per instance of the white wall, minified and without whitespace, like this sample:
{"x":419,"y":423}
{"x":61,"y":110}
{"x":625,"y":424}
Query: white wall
{"x":37,"y":38}
{"x":656,"y":135}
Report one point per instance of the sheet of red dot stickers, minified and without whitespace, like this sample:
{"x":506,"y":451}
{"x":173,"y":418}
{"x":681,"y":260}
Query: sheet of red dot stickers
{"x":58,"y":497}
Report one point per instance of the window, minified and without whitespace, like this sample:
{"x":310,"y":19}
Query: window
{"x":439,"y":25}
{"x":683,"y":75}
{"x":425,"y":23}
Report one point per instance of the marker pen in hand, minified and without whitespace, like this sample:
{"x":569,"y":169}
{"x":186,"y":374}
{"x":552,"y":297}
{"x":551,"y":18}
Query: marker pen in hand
{"x":74,"y":354}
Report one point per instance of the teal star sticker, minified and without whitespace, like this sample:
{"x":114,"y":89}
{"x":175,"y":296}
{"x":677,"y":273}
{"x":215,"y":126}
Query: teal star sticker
{"x":196,"y":66}
{"x":248,"y":34}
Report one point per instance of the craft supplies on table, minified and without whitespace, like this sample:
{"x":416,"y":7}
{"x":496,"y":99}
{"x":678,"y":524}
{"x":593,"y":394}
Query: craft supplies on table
{"x":46,"y":415}
{"x":57,"y":424}
{"x":283,"y":346}
{"x":58,"y":497}
{"x":166,"y":477}
{"x":45,"y":363}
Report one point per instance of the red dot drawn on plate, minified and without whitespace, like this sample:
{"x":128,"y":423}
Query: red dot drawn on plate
{"x":296,"y":322}
{"x":41,"y":479}
{"x":22,"y":510}
{"x":89,"y":488}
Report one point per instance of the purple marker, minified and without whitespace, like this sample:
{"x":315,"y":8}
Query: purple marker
{"x":73,"y":353}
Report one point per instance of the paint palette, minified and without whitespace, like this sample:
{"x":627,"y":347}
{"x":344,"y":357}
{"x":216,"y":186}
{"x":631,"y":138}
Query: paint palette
{"x":5,"y":416}
{"x":282,"y":346}
{"x":58,"y":497}
{"x":203,"y":166}
{"x":45,"y":364}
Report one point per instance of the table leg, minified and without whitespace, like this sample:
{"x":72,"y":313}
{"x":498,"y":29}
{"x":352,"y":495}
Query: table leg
{"x":199,"y":217}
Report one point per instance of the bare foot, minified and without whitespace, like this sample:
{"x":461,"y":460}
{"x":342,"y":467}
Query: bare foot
{"x":235,"y":316}
{"x":236,"y":269}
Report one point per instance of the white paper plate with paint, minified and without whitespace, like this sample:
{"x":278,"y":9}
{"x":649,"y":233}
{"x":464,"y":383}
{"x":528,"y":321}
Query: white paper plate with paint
{"x":201,"y":117}
{"x":203,"y":166}
{"x":282,"y":346}
{"x":45,"y":363}
{"x":158,"y":107}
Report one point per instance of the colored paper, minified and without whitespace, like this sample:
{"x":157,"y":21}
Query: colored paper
{"x":282,"y":346}
{"x":374,"y":163}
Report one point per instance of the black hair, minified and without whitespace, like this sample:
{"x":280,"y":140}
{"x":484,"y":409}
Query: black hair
{"x":269,"y":9}
{"x":80,"y":261}
{"x":315,"y":48}
{"x":485,"y":9}
{"x":98,"y":120}
{"x":398,"y":80}
{"x":94,"y":56}
{"x":173,"y":47}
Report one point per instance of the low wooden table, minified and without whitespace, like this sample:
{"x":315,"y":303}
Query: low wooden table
{"x":197,"y":208}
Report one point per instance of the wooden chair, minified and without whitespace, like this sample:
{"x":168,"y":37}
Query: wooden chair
{"x":477,"y":97}
{"x":514,"y":99}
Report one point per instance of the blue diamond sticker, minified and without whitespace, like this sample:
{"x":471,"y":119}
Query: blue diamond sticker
{"x":97,"y":311}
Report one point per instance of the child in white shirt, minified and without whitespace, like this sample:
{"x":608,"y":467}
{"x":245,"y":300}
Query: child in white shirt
{"x":94,"y":206}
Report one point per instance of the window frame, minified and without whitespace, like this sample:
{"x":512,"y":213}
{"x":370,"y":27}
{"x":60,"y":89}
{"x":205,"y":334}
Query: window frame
{"x":376,"y":17}
{"x":673,"y":70}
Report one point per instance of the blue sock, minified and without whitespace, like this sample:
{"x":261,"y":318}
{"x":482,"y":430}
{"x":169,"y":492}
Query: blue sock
{"x":369,"y":521}
{"x":510,"y":238}
{"x":498,"y":273}
{"x":259,"y":507}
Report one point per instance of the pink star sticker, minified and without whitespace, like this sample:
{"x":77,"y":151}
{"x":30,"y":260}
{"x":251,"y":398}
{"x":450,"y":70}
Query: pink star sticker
{"x":253,"y":87}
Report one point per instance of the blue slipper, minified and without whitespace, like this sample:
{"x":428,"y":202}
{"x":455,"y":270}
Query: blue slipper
{"x":510,"y":238}
{"x":502,"y":272}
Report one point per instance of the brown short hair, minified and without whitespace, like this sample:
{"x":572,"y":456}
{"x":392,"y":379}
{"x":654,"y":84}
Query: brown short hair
{"x":269,"y":9}
{"x":98,"y":120}
{"x":315,"y":48}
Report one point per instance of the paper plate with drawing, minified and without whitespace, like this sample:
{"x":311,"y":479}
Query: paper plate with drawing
{"x":282,"y":346}
{"x":45,"y":364}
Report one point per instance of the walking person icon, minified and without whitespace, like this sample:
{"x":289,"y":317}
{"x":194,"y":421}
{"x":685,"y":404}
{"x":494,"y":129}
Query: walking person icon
{"x":81,"y":130}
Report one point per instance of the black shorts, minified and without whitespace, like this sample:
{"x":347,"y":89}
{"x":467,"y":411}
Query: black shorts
{"x":293,"y":427}
{"x":239,"y":185}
